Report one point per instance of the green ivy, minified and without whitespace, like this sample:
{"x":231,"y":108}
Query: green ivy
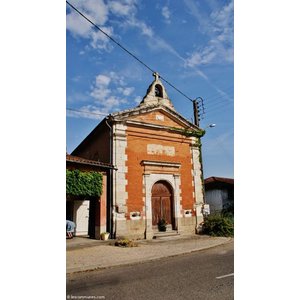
{"x":196,"y":133}
{"x":86,"y":184}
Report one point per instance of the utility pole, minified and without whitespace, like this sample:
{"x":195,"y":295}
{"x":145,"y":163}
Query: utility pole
{"x":197,"y":123}
{"x":196,"y":112}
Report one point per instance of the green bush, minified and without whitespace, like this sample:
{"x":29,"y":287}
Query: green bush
{"x":228,"y":210}
{"x":218,"y":225}
{"x":125,"y":243}
{"x":86,"y":184}
{"x":162,"y":225}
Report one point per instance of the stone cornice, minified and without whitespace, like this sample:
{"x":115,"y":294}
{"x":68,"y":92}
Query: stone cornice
{"x":124,"y":115}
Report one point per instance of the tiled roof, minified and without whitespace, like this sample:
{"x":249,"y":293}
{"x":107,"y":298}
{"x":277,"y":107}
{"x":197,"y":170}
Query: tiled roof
{"x":219,"y":179}
{"x":80,"y":160}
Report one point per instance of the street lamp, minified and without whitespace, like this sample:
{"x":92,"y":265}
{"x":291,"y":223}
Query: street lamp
{"x":211,"y":125}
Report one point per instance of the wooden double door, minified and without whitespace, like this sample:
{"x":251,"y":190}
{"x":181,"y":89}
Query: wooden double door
{"x":162,"y":203}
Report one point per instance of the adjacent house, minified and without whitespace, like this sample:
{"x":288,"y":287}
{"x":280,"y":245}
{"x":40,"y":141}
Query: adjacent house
{"x":158,"y":172}
{"x":88,"y":213}
{"x":219,"y":193}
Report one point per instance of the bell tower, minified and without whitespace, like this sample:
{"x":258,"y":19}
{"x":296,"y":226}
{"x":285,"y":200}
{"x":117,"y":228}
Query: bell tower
{"x":156,"y":94}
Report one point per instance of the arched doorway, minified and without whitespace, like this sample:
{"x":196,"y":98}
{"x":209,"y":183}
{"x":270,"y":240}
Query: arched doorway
{"x":162,"y":203}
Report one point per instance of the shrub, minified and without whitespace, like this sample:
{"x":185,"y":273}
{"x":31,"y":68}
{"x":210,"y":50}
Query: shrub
{"x":125,"y":243}
{"x":218,"y":225}
{"x":228,"y":210}
{"x":162,"y":225}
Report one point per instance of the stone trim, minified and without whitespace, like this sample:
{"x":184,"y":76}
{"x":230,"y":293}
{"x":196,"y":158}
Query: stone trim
{"x":124,"y":115}
{"x":119,"y":160}
{"x":196,"y":171}
{"x":160,"y":163}
{"x":198,"y":194}
{"x":149,"y":181}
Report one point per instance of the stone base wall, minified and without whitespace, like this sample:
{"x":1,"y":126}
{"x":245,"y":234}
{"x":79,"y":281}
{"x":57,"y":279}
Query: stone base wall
{"x":135,"y":229}
{"x":187,"y":225}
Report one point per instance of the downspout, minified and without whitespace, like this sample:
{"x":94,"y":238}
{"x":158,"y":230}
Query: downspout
{"x":202,"y":181}
{"x":110,"y":229}
{"x":201,"y":169}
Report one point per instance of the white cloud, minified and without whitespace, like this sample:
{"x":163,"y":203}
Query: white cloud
{"x":224,"y":17}
{"x":142,"y":26}
{"x":100,"y":93}
{"x":193,"y":60}
{"x":97,"y":12}
{"x":100,"y":90}
{"x":77,"y":25}
{"x":110,"y":91}
{"x":101,"y":41}
{"x":123,"y":8}
{"x":126,"y":91}
{"x":117,"y":79}
{"x":219,"y":28}
{"x":87,"y":111}
{"x":102,"y":80}
{"x":166,"y":14}
{"x":203,"y":57}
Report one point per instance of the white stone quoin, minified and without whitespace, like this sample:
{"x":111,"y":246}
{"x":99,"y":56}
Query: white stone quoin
{"x":119,"y":160}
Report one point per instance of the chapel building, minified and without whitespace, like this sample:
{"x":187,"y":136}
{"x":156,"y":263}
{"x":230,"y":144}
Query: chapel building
{"x":158,"y":170}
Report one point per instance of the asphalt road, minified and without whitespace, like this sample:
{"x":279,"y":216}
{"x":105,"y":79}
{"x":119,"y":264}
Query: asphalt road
{"x":201,"y":275}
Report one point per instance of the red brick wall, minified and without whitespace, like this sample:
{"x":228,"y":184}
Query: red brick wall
{"x":137,"y":141}
{"x":97,"y":147}
{"x":150,"y":118}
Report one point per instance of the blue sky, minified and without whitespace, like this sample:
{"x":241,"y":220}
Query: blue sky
{"x":190,"y":43}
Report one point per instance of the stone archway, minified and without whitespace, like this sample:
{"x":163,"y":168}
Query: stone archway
{"x":162,"y":202}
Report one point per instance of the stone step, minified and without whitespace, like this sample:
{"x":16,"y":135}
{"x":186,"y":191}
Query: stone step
{"x":166,"y":234}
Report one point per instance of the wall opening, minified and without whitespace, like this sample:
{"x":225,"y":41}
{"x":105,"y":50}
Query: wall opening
{"x":158,"y":91}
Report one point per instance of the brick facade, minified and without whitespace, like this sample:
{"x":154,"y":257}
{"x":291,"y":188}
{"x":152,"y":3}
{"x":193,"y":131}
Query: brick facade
{"x":148,"y":145}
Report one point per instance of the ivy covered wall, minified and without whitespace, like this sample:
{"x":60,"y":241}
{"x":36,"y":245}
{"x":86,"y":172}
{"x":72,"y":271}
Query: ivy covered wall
{"x":85,"y":184}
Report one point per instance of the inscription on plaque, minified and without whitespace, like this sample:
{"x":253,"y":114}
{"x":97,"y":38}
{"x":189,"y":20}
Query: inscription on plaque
{"x":155,"y":149}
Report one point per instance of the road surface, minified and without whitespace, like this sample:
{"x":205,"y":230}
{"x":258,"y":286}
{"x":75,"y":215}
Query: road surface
{"x":206,"y":274}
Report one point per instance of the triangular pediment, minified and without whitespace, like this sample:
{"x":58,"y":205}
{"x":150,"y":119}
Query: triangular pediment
{"x":158,"y":115}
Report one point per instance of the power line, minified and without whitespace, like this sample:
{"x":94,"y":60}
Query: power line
{"x":219,"y":92}
{"x":220,"y":97}
{"x":214,"y":109}
{"x":219,"y":105}
{"x":127,"y":51}
{"x":220,"y":101}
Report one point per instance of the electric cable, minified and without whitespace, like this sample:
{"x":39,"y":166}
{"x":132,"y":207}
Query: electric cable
{"x":213,"y":104}
{"x":216,"y":109}
{"x":127,"y":51}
